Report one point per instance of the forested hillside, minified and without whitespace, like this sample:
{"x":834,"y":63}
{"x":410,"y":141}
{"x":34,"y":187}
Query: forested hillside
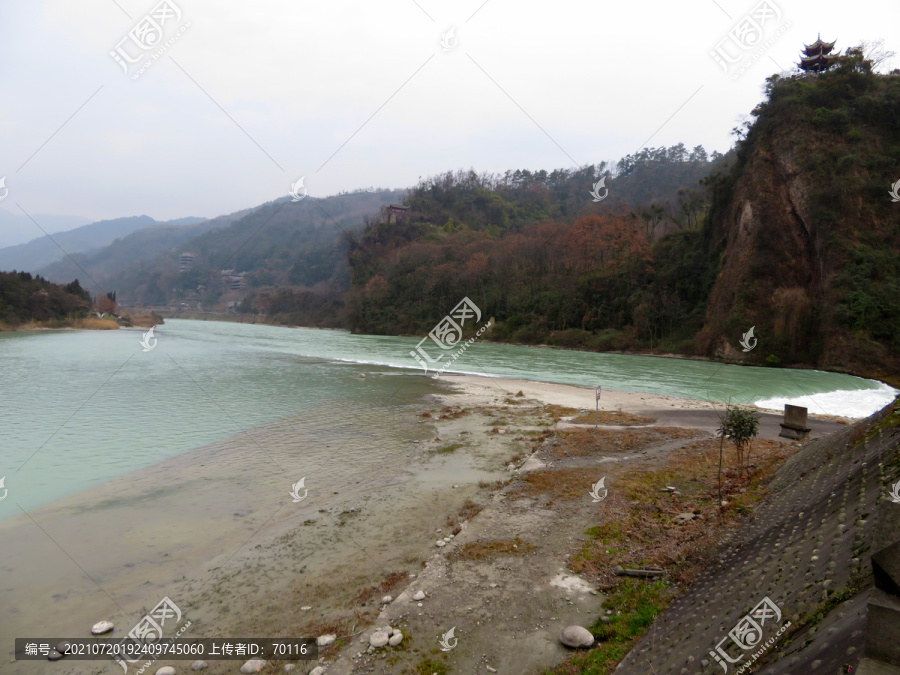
{"x":808,"y":228}
{"x":281,"y":244}
{"x":536,"y":252}
{"x":24,"y":299}
{"x":796,"y":235}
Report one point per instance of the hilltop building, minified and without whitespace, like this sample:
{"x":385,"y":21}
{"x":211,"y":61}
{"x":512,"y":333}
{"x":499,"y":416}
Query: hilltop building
{"x":186,"y":261}
{"x":817,"y":57}
{"x":395,"y":211}
{"x":234,"y":281}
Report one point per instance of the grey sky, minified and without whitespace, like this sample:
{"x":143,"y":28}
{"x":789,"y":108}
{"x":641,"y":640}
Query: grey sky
{"x":256,"y":95}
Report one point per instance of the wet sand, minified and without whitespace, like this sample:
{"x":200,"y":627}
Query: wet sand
{"x":217,"y":531}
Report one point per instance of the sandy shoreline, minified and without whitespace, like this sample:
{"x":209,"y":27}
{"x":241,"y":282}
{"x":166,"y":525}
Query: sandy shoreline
{"x":216,"y":530}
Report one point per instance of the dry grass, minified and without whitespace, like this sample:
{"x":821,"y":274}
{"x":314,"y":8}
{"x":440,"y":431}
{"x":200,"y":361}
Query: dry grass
{"x":485,"y":548}
{"x":557,"y":483}
{"x":390,"y":582}
{"x":467,"y":511}
{"x":623,"y":419}
{"x":93,"y":323}
{"x":560,"y":411}
{"x":452,"y":412}
{"x":145,"y":320}
{"x":584,"y":442}
{"x":636,"y":526}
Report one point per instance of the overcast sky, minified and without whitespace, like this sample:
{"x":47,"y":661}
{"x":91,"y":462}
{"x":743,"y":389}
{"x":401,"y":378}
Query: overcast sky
{"x":250,"y":96}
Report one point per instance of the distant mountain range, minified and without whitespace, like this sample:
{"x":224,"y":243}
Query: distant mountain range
{"x":45,"y":250}
{"x":17,"y":228}
{"x":97,"y":266}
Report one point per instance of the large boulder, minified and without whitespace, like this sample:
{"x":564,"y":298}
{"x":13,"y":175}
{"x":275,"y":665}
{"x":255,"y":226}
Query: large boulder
{"x":576,"y":637}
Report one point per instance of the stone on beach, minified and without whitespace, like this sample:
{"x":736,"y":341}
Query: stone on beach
{"x":318,"y":670}
{"x":378,"y":639}
{"x":199,"y":665}
{"x":62,"y":646}
{"x":102,"y":627}
{"x":253,"y":666}
{"x":288,"y":667}
{"x":166,"y":670}
{"x":54,"y":655}
{"x":440,"y":543}
{"x":420,"y":595}
{"x":576,"y":636}
{"x":396,"y":638}
{"x":386,"y":600}
{"x":325,"y":640}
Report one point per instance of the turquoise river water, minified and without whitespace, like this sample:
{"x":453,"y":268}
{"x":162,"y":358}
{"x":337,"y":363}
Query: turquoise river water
{"x":78,"y":408}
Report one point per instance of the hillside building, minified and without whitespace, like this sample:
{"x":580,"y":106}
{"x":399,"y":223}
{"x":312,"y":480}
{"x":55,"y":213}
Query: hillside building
{"x":817,"y":57}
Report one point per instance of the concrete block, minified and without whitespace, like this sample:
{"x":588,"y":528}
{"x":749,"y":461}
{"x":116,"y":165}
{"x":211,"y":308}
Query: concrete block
{"x":883,"y":627}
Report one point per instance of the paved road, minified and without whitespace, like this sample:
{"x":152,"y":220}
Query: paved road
{"x":769,"y":423}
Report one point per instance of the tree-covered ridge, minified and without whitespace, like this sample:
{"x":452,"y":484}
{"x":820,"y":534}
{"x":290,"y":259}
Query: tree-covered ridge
{"x":24,"y":298}
{"x":534,"y":251}
{"x":496,"y":203}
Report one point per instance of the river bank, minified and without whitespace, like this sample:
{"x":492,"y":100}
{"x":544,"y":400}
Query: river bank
{"x":729,"y":355}
{"x":217,"y":531}
{"x":88,"y":323}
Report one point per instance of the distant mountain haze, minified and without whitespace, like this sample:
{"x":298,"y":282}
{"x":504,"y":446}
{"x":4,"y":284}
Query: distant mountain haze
{"x":17,"y":228}
{"x":139,"y":246}
{"x":42,"y":250}
{"x":279,"y":243}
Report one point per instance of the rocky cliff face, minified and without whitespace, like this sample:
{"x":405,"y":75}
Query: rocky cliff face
{"x":808,"y":234}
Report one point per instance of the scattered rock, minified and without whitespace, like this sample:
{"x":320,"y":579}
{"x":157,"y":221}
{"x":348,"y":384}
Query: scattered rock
{"x":318,"y":670}
{"x":102,"y":627}
{"x":62,"y":646}
{"x":378,"y":639}
{"x":440,"y":543}
{"x":54,"y":655}
{"x":325,"y":640}
{"x":253,"y":666}
{"x":576,"y":636}
{"x":199,"y":665}
{"x":396,"y":638}
{"x":684,"y":517}
{"x":419,"y":595}
{"x":306,"y":607}
{"x":386,"y":600}
{"x":166,"y":670}
{"x":491,"y":670}
{"x":288,"y":667}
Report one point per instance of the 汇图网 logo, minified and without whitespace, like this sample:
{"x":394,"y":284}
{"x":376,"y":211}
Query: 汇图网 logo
{"x":444,"y":640}
{"x":295,"y":490}
{"x":448,"y":333}
{"x":298,"y":190}
{"x":449,"y":39}
{"x":149,"y":342}
{"x":746,"y":339}
{"x":595,"y":193}
{"x":895,"y":492}
{"x":747,"y":634}
{"x":148,"y":34}
{"x":597,"y":488}
{"x":894,"y":193}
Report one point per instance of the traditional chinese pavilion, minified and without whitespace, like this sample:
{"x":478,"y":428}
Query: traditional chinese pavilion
{"x":817,"y":56}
